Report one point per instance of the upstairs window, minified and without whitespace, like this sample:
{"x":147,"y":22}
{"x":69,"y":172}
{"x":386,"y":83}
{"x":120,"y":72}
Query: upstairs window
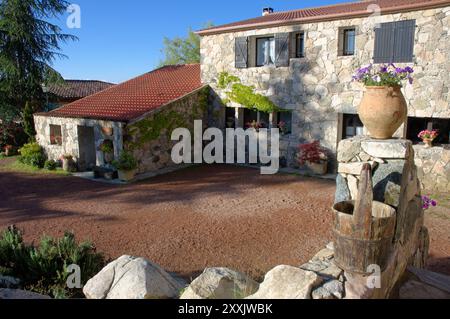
{"x":265,"y":51}
{"x":300,"y":45}
{"x":55,"y":135}
{"x":347,"y":38}
{"x":394,"y":42}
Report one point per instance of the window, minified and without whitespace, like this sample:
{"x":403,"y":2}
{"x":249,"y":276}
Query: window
{"x":251,"y":116}
{"x":265,"y":51}
{"x":285,"y":119}
{"x":417,"y":124}
{"x":230,"y":117}
{"x":347,"y":38}
{"x":394,"y":42}
{"x":352,"y":126}
{"x":300,"y":45}
{"x":55,"y":135}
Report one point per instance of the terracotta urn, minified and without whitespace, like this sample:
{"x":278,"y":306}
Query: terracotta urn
{"x":126,"y":176}
{"x":383,"y":110}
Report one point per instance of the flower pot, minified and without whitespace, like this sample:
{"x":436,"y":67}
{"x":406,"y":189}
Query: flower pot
{"x":107,"y":131}
{"x":108,"y":157}
{"x":9,"y":151}
{"x":383,"y":110}
{"x":126,"y":176}
{"x":318,"y":168}
{"x":67,"y":164}
{"x":428,"y":142}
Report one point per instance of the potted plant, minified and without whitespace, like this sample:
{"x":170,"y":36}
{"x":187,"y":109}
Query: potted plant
{"x":107,"y":147}
{"x":314,"y":157}
{"x":9,"y":150}
{"x":126,"y":165}
{"x":67,"y":162}
{"x":283,"y":128}
{"x":383,"y":108}
{"x":428,"y":137}
{"x":255,"y":125}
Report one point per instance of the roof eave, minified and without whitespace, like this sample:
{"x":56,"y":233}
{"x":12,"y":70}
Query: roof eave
{"x":324,"y":18}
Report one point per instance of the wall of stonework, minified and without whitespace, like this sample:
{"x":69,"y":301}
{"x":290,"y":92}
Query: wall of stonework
{"x":69,"y":130}
{"x":433,"y":168}
{"x":319,"y":87}
{"x":149,"y":138}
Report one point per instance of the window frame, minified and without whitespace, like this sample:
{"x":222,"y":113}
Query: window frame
{"x":278,"y":119}
{"x":257,"y":39}
{"x":354,"y":118}
{"x":299,"y":36}
{"x":431,"y":124}
{"x":54,"y":139}
{"x":345,"y":41}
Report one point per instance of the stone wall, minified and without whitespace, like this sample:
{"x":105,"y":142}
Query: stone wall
{"x":70,"y":142}
{"x":396,"y":184}
{"x":433,"y":168}
{"x":318,"y":88}
{"x":149,"y":138}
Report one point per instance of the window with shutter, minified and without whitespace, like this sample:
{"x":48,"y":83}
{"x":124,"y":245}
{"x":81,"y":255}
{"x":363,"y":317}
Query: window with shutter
{"x":394,"y":42}
{"x":282,"y":49}
{"x":241,"y":53}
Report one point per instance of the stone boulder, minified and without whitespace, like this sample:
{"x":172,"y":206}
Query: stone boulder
{"x":221,"y":283}
{"x":15,"y":294}
{"x":132,"y":278}
{"x":286,"y":282}
{"x":9,"y":282}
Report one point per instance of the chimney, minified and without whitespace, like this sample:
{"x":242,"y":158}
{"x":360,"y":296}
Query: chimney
{"x":267,"y":11}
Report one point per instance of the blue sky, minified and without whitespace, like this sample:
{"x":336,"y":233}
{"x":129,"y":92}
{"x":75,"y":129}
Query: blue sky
{"x":122,"y":39}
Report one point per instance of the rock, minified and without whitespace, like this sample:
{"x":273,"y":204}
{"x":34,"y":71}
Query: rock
{"x":353,"y":186}
{"x":354,"y":168}
{"x":286,"y":282}
{"x":325,"y":269}
{"x":348,"y":149}
{"x":132,"y":278}
{"x":342,"y":191}
{"x":385,"y":177}
{"x":417,"y":290}
{"x":221,"y":283}
{"x":330,"y":246}
{"x":387,"y":149}
{"x":331,"y":290}
{"x":15,"y":294}
{"x":9,"y":282}
{"x":324,"y":255}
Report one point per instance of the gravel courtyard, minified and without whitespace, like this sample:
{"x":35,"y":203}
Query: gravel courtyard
{"x":192,"y":219}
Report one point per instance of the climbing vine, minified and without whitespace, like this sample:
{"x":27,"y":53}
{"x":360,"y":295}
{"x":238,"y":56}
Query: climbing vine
{"x":245,"y":95}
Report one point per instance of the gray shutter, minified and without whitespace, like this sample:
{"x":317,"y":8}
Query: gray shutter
{"x":384,"y":43}
{"x":405,"y":32}
{"x":241,"y":53}
{"x":282,"y":49}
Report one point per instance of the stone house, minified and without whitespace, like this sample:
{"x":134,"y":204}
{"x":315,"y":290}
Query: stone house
{"x":138,"y":116}
{"x":303,"y":60}
{"x":71,"y":90}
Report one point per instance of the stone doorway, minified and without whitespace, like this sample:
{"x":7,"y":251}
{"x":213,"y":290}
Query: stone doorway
{"x":86,"y":142}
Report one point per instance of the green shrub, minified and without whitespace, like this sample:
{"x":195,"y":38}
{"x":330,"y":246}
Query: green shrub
{"x":50,"y":165}
{"x":126,"y":162}
{"x":32,"y":154}
{"x":43,"y":269}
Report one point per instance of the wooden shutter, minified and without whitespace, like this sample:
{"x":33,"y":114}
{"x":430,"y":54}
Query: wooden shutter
{"x":241,"y":52}
{"x":384,"y":43}
{"x":405,"y":32}
{"x":282,"y":49}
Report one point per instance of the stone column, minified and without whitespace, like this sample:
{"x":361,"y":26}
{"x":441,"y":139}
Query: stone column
{"x":396,"y":184}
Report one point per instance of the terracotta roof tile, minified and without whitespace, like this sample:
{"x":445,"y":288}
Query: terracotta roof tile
{"x":331,"y":12}
{"x":131,"y":99}
{"x":77,"y":89}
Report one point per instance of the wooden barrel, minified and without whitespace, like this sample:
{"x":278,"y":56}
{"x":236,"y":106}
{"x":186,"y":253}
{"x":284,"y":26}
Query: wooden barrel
{"x":364,"y":230}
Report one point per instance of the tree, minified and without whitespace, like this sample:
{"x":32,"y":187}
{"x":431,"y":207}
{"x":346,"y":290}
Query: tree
{"x":182,"y":50}
{"x":28,"y":121}
{"x":28,"y":46}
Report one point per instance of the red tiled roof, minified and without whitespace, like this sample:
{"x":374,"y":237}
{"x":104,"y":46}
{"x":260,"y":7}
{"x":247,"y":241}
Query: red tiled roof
{"x":77,"y":89}
{"x":129,"y":100}
{"x":326,"y":13}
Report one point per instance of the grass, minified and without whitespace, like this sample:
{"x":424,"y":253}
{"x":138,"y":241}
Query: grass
{"x":12,"y":164}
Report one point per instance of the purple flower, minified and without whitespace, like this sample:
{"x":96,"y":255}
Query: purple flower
{"x":409,"y":69}
{"x":433,"y":203}
{"x":384,"y":69}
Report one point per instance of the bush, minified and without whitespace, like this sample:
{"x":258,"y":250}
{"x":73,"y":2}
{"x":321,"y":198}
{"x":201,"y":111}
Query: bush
{"x":126,"y":162}
{"x":50,"y":165}
{"x":32,"y":154}
{"x":43,"y":269}
{"x":311,"y":152}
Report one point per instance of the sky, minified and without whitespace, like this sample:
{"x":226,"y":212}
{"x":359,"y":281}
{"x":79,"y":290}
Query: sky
{"x":119,"y":40}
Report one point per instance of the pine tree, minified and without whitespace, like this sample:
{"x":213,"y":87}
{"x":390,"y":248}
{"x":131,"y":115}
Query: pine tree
{"x":28,"y":121}
{"x":28,"y":46}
